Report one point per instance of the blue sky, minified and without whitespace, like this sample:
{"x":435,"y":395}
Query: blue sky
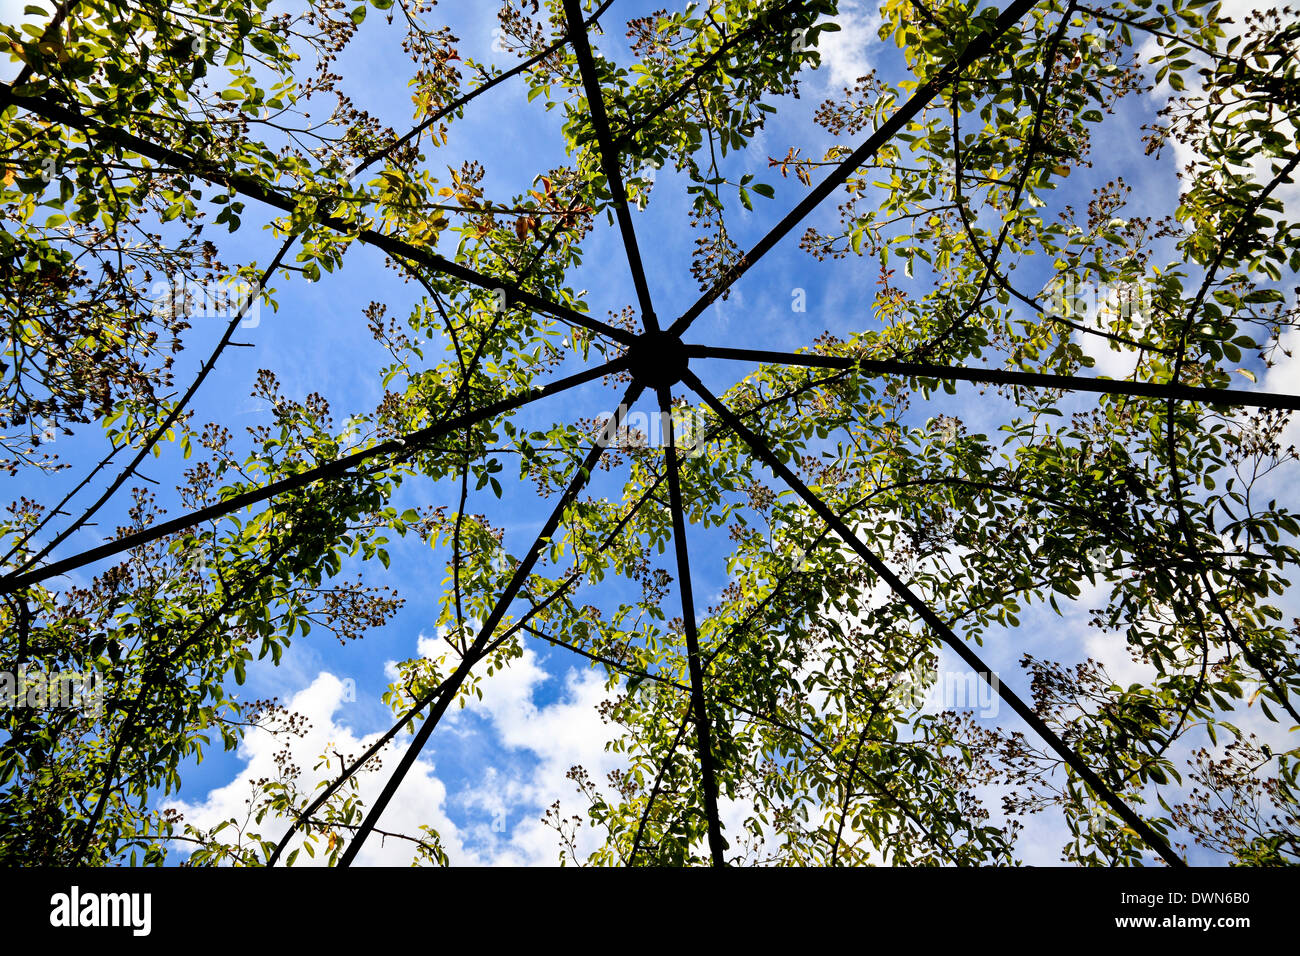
{"x":488,"y":775}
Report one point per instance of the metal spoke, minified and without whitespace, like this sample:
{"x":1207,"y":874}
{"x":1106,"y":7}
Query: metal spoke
{"x":927,"y":91}
{"x":401,"y":447}
{"x":760,"y":448}
{"x":702,"y":731}
{"x":522,"y":624}
{"x":500,"y":78}
{"x":478,"y":649}
{"x":609,"y":160}
{"x":994,"y":376}
{"x":194,"y":166}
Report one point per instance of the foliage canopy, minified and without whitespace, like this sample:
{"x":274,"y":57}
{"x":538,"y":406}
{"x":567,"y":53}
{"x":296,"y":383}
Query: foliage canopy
{"x":860,"y":537}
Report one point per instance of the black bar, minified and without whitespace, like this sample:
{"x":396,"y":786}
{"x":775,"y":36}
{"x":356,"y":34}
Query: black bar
{"x":977,"y":48}
{"x":479,"y":90}
{"x":703,"y":736}
{"x":1042,"y":903}
{"x":332,"y":469}
{"x":478,"y":648}
{"x":191,"y":165}
{"x":1026,"y":713}
{"x":609,"y":159}
{"x":991,"y":376}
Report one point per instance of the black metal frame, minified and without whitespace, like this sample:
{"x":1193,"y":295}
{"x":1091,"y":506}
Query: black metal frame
{"x":657,"y":360}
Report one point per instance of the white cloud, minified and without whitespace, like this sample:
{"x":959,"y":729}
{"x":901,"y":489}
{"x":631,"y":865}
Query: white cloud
{"x":844,"y":53}
{"x":506,"y":802}
{"x":560,"y":735}
{"x":422,"y":798}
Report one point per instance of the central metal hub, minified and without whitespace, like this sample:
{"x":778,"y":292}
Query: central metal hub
{"x":657,"y":360}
